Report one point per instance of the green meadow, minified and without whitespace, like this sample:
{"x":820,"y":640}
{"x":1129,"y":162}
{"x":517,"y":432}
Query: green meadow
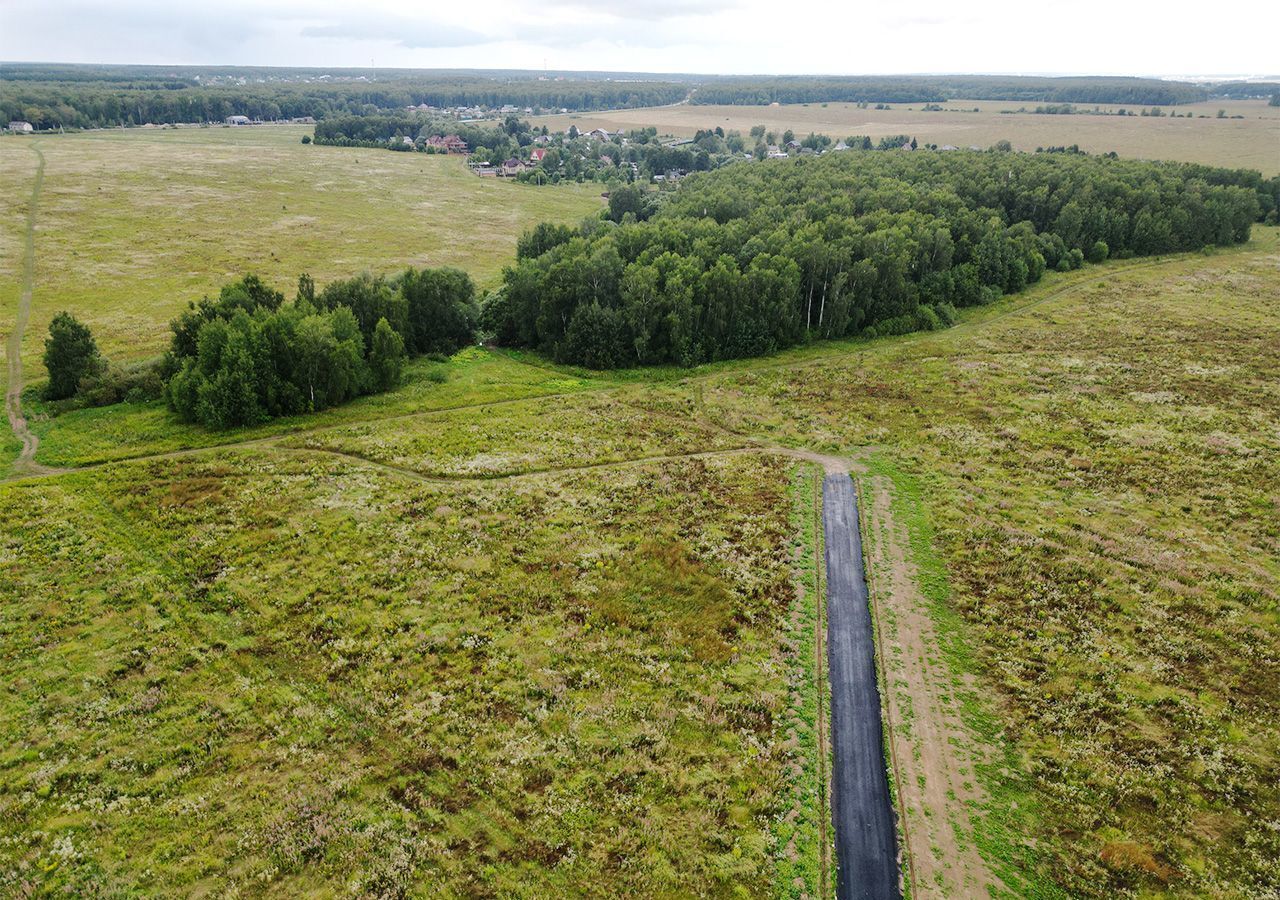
{"x":514,"y":629}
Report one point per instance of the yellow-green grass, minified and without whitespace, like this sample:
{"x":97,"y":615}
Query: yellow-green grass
{"x":529,"y":436}
{"x":473,"y":378}
{"x":135,"y":223}
{"x":1092,"y":471}
{"x":282,"y":674}
{"x":1101,"y":472}
{"x":1252,"y":142}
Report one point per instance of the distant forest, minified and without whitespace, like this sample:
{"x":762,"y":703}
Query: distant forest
{"x":936,"y":89}
{"x":751,"y":259}
{"x":98,"y":97}
{"x":72,"y":96}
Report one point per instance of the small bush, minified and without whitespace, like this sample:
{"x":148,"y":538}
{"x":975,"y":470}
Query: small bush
{"x":111,"y":384}
{"x":926,"y":319}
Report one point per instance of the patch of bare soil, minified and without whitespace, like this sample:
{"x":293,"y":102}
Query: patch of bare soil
{"x":932,"y":752}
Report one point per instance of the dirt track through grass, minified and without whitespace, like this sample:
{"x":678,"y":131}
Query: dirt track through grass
{"x":13,"y":352}
{"x":931,"y":751}
{"x":794,"y":362}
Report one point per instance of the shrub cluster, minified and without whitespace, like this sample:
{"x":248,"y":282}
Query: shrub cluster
{"x":248,"y":356}
{"x":752,"y":259}
{"x":80,"y":376}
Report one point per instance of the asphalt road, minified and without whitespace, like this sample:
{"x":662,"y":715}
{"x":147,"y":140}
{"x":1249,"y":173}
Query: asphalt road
{"x":866,"y":843}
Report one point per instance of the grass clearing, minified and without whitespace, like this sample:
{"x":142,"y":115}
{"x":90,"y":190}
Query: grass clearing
{"x":473,"y":377}
{"x":805,"y":864}
{"x":518,"y":438}
{"x":135,"y":223}
{"x":292,"y":672}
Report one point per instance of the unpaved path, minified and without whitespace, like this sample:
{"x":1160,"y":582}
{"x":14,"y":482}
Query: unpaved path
{"x":866,"y":839}
{"x":932,"y":751}
{"x":26,"y":461}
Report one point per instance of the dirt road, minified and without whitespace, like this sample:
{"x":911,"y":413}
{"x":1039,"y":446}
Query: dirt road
{"x":935,"y":755}
{"x":25,"y":463}
{"x":866,"y":843}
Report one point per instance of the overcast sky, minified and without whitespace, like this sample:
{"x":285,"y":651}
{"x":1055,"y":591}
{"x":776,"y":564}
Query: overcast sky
{"x":704,"y":36}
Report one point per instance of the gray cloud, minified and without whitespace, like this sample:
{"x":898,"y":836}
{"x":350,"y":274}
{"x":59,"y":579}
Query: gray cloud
{"x":141,"y":30}
{"x":412,"y":33}
{"x":632,"y":35}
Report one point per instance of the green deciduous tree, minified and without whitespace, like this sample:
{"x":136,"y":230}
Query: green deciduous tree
{"x":757,"y":257}
{"x":70,"y":354}
{"x":386,"y":356}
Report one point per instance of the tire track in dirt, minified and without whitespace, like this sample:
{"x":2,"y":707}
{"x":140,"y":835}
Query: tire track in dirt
{"x":933,"y":753}
{"x":25,"y":463}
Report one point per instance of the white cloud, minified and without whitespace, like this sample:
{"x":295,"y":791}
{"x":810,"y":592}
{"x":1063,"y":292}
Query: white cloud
{"x":712,"y":36}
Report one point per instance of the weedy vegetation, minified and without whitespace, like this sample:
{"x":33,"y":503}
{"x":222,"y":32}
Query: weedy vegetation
{"x":511,"y":628}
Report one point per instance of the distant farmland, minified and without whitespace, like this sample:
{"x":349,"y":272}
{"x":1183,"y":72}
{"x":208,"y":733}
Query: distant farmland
{"x":135,"y":223}
{"x":1252,"y":142}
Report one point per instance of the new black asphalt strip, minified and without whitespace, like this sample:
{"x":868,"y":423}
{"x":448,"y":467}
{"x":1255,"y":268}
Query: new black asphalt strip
{"x":866,"y":844}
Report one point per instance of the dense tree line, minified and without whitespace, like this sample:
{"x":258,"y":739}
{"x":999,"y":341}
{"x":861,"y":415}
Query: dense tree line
{"x":248,"y":356}
{"x":89,"y":97}
{"x":748,"y":260}
{"x":383,"y":130}
{"x":1244,"y":90}
{"x":59,"y":95}
{"x":938,"y":88}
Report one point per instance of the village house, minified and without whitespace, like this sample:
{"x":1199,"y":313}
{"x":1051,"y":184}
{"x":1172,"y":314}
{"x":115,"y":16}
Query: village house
{"x":774,"y":153}
{"x":536,"y":154}
{"x":599,"y":134}
{"x":450,"y":143}
{"x":513,"y":167}
{"x":238,"y":120}
{"x":21,"y":127}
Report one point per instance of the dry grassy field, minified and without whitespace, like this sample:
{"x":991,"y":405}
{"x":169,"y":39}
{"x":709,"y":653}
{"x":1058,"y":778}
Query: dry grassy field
{"x":273,"y":666}
{"x":133,"y":224}
{"x":1252,"y":142}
